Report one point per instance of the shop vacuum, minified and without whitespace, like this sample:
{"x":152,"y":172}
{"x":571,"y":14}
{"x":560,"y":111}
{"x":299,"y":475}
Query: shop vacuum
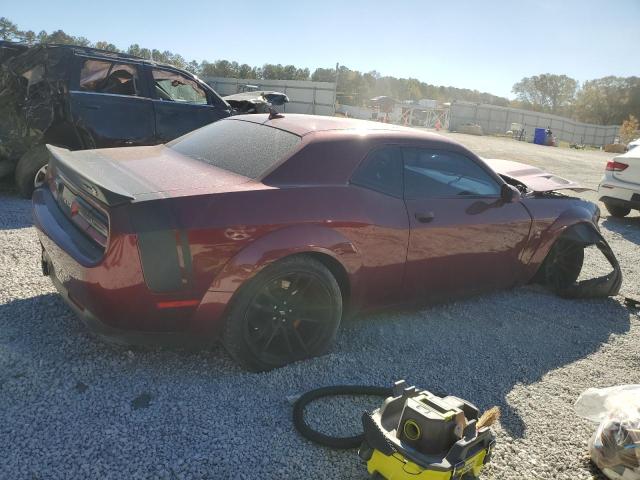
{"x":415,"y":434}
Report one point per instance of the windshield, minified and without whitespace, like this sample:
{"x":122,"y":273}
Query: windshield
{"x":245,"y":148}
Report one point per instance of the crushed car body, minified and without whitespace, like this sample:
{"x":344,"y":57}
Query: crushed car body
{"x":81,"y":98}
{"x":258,"y":101}
{"x":536,"y":182}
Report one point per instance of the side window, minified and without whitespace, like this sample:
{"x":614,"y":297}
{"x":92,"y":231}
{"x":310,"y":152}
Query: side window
{"x":173,"y":87}
{"x":381,"y":171}
{"x":108,"y":77}
{"x":440,"y":173}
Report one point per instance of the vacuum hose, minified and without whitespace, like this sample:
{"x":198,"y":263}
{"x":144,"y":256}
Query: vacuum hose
{"x":328,"y":441}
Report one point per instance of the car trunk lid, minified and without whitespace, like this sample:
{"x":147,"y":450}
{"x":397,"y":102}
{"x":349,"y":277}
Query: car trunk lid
{"x":115,"y":176}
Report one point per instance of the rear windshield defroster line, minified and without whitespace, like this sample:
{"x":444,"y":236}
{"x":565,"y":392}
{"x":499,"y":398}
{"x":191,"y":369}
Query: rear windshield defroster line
{"x":241,"y":147}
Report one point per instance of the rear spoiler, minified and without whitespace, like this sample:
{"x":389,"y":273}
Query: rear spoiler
{"x":86,"y":171}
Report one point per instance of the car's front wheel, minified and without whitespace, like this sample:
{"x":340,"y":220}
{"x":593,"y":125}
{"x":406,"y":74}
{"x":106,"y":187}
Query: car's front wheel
{"x":617,"y":210}
{"x":289,"y":311}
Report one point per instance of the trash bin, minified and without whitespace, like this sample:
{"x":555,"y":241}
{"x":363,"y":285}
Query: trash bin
{"x":540,"y":136}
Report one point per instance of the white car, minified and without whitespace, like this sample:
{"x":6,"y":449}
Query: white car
{"x":634,"y":144}
{"x":620,"y":187}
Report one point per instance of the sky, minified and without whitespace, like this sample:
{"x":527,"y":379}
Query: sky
{"x":484,"y":45}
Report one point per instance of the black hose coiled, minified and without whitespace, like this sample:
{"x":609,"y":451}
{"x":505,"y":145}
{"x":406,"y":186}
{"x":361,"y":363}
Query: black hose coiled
{"x":328,"y":441}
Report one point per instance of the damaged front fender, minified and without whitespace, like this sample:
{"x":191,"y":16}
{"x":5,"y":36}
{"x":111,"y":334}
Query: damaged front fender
{"x":561,"y":268}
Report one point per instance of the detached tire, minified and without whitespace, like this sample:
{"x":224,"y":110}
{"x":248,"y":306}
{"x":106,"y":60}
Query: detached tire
{"x":30,"y":170}
{"x":617,"y":211}
{"x":289,"y":311}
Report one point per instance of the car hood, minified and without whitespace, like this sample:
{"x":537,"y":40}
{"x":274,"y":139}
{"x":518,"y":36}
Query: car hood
{"x":532,"y":177}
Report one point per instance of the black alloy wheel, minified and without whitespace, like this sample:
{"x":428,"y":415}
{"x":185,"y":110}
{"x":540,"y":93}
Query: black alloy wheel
{"x":289,"y":311}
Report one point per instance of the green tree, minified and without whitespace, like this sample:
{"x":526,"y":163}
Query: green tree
{"x":608,"y":100}
{"x":324,"y":75}
{"x":9,"y":30}
{"x":546,"y":92}
{"x":106,"y":46}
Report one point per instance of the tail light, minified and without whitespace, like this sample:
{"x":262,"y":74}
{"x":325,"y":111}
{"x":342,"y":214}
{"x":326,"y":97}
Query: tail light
{"x":616,"y":166}
{"x":90,"y":220}
{"x":87,"y":216}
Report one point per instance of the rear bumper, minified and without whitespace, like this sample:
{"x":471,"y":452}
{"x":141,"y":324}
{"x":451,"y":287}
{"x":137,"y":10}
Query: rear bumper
{"x":113,"y":335}
{"x":619,"y":193}
{"x":633,"y":203}
{"x":108,"y":291}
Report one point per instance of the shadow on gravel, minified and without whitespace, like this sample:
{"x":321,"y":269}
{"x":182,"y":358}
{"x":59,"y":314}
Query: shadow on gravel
{"x":481,"y":348}
{"x":627,"y":227}
{"x":65,"y":393}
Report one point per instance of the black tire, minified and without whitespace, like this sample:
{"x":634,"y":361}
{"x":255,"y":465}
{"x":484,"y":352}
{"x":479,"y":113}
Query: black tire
{"x":563,"y":264}
{"x":617,"y":211}
{"x":263,"y":332}
{"x":29,"y":166}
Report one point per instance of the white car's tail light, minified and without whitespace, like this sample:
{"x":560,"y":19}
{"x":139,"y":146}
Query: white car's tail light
{"x":614,"y":166}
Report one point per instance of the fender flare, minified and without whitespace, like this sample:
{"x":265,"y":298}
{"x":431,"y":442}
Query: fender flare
{"x":208,"y":318}
{"x":284,"y":242}
{"x":569,"y":218}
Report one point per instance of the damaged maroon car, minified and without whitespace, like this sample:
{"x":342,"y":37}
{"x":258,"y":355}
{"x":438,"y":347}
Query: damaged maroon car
{"x":265,"y":231}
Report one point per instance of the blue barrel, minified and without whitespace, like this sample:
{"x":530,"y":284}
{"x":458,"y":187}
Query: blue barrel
{"x":540,"y":136}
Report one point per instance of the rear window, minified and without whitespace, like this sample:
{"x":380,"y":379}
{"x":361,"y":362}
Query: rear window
{"x":245,"y":148}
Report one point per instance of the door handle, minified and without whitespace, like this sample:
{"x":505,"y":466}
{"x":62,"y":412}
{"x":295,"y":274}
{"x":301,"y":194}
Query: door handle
{"x":424,"y":217}
{"x":92,"y":107}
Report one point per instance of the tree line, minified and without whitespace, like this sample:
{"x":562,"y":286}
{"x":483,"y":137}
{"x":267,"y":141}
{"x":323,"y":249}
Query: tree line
{"x":607,"y":101}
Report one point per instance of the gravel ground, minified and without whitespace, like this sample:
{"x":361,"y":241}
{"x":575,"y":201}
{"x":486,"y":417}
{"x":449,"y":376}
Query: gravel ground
{"x":73,"y":407}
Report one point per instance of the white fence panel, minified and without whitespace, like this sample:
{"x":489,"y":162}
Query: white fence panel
{"x":494,"y":119}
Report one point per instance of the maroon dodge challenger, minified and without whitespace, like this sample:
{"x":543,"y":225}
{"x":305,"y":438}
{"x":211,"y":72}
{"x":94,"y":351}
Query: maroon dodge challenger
{"x":265,"y":230}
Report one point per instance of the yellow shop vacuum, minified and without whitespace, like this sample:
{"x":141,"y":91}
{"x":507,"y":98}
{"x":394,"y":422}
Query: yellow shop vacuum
{"x":415,"y":434}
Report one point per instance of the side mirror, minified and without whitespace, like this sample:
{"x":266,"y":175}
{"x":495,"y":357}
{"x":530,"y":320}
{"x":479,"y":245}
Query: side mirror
{"x":509,"y":193}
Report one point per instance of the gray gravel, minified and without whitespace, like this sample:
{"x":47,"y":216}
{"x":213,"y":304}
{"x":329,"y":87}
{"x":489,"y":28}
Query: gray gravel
{"x":73,"y":407}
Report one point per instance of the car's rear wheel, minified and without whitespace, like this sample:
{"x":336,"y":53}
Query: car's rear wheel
{"x":289,"y":311}
{"x":562,"y":266}
{"x":617,"y":210}
{"x":31,"y":170}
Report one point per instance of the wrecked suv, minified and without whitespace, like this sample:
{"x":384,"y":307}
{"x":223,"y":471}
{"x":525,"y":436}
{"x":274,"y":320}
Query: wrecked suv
{"x":83,"y":98}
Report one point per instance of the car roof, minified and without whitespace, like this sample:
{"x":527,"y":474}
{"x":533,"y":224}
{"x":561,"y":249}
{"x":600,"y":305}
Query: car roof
{"x":302,"y":124}
{"x":23,"y":48}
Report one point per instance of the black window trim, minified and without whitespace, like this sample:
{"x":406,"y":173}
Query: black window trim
{"x":490,"y":173}
{"x":372,"y":188}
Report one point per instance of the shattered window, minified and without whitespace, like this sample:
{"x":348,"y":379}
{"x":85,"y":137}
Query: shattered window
{"x":174,"y":87}
{"x":440,"y":173}
{"x":108,"y":77}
